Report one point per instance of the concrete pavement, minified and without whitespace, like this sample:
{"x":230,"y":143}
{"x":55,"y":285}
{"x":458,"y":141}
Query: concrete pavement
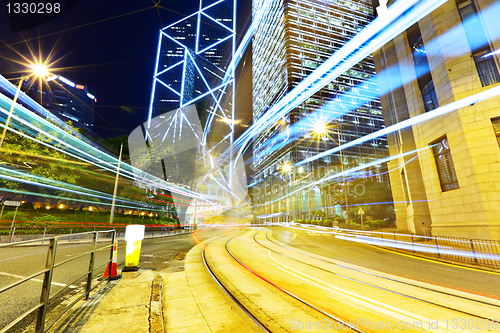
{"x":181,"y":298}
{"x":121,"y":306}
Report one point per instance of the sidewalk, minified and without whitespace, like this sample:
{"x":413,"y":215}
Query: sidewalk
{"x":180,"y":298}
{"x":122,"y":305}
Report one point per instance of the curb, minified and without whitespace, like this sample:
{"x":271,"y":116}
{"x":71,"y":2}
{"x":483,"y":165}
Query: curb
{"x":155,"y":306}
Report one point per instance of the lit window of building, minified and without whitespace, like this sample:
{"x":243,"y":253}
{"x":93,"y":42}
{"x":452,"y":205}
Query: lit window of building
{"x":496,"y":128}
{"x":444,"y":164}
{"x":478,"y":43}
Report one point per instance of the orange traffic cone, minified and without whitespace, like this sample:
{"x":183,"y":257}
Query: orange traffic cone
{"x":114,"y":273}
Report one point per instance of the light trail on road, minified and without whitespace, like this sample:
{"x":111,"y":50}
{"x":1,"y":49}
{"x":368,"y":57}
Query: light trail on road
{"x":497,"y":305}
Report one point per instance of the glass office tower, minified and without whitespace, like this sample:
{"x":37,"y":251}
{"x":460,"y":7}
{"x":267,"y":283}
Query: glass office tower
{"x":67,"y":100}
{"x":295,"y":38}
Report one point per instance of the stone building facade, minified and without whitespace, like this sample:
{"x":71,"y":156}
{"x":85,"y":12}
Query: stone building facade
{"x":452,"y":188}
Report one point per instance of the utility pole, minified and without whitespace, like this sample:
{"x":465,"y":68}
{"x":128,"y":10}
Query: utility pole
{"x":116,"y":186}
{"x":12,"y":109}
{"x":343,"y":175}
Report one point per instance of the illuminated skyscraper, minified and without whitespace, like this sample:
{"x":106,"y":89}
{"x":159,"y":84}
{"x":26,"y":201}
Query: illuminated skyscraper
{"x":191,"y":109}
{"x":67,"y":100}
{"x":193,"y":66}
{"x":293,"y":40}
{"x":192,"y":60}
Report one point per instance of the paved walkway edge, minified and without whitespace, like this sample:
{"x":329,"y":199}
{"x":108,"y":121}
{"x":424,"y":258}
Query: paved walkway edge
{"x":156,"y":322}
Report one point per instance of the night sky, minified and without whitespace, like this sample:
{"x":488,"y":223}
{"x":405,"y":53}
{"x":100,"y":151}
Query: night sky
{"x":114,"y":58}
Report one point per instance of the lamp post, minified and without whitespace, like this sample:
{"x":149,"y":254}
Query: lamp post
{"x":343,"y":175}
{"x":301,"y":196}
{"x":287,"y":169}
{"x":116,"y":186}
{"x":320,"y":131}
{"x":23,"y":78}
{"x":39,"y":71}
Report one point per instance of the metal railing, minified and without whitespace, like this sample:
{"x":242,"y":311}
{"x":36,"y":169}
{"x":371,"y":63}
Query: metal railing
{"x":483,"y":252}
{"x":22,"y":233}
{"x":45,"y":297}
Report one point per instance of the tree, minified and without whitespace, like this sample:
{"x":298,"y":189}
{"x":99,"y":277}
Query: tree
{"x":373,"y":196}
{"x":35,"y":158}
{"x":376,"y":199}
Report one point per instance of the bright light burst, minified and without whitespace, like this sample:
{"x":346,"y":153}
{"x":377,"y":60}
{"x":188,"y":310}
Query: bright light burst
{"x":319,"y":128}
{"x":286,"y":167}
{"x":40,"y":70}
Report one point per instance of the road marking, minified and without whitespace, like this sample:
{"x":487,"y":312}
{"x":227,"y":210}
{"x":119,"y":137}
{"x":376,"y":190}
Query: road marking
{"x":24,"y":255}
{"x":36,"y":280}
{"x":170,"y":240}
{"x":246,"y":234}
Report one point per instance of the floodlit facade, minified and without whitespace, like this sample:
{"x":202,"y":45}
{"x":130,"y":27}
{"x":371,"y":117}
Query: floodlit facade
{"x":452,"y":187}
{"x":294,"y":38}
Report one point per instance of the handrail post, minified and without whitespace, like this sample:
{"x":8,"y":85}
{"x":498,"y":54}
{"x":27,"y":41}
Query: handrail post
{"x":91,"y":268}
{"x":11,"y":237}
{"x":47,"y":281}
{"x":437,"y":247}
{"x":113,"y":238}
{"x":473,"y":250}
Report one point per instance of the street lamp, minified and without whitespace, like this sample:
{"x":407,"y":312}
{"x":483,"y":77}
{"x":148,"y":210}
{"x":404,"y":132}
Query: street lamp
{"x":38,"y":70}
{"x":286,"y":169}
{"x":343,"y":175}
{"x":319,"y":128}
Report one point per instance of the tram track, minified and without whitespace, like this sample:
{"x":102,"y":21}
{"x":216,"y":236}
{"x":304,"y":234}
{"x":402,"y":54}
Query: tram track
{"x":247,"y":311}
{"x":227,"y":292}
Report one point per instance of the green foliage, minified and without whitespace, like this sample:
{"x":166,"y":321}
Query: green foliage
{"x":46,"y":218}
{"x":10,"y":215}
{"x":38,"y":159}
{"x":340,"y":219}
{"x":307,"y":221}
{"x":319,"y":213}
{"x":114,"y":144}
{"x":299,"y":221}
{"x":363,"y":193}
{"x":328,"y":223}
{"x":379,"y":223}
{"x":314,"y":222}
